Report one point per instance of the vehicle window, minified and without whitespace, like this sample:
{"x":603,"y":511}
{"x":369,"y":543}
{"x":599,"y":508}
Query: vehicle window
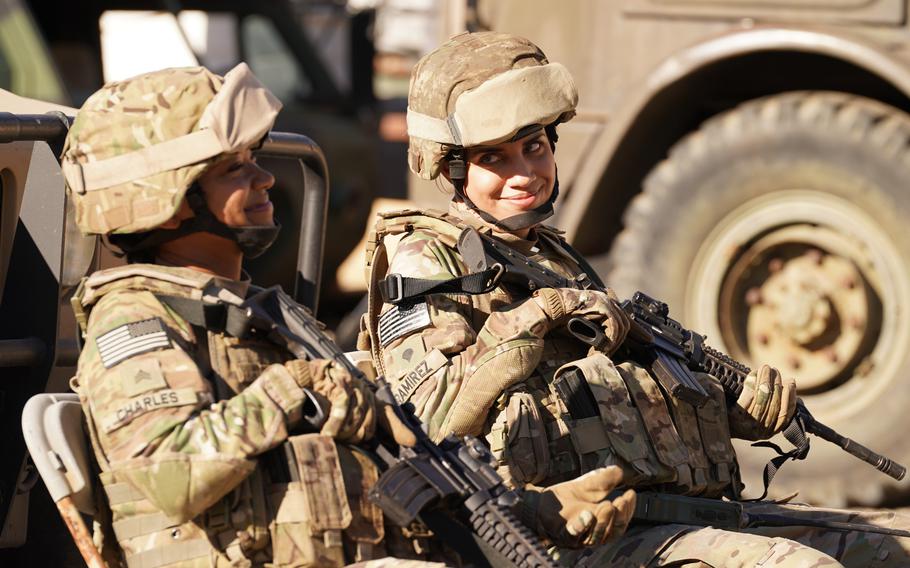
{"x":270,"y":59}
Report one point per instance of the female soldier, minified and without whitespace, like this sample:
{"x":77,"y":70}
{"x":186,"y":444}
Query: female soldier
{"x":494,"y":360}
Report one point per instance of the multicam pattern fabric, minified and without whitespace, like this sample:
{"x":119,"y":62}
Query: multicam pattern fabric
{"x":180,"y":434}
{"x":463,"y":63}
{"x":137,"y":145}
{"x":785,"y":547}
{"x":129,"y":115}
{"x":497,"y":380}
{"x":676,"y":449}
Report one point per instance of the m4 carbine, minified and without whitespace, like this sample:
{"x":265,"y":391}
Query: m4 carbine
{"x":672,"y":353}
{"x":454,"y":479}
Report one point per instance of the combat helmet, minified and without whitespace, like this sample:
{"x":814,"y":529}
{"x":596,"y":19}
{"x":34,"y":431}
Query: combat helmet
{"x":138,"y":146}
{"x":484,"y":88}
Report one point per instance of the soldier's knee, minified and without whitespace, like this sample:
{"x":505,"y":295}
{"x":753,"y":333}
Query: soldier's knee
{"x":730,"y":549}
{"x":785,"y":553}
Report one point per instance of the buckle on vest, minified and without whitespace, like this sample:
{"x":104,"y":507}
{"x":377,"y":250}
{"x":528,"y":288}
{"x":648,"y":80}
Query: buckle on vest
{"x":393,"y":289}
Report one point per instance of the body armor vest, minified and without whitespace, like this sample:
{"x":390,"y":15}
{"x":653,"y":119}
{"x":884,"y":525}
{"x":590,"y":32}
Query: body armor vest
{"x":660,"y":442}
{"x":265,"y":519}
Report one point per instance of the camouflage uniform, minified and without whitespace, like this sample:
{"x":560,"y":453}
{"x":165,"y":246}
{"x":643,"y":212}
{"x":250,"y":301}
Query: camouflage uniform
{"x":179,"y":428}
{"x":186,"y":420}
{"x":450,"y":354}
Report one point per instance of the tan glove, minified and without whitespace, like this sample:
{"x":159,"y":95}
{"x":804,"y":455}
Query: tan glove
{"x":562,"y":304}
{"x":352,"y":408}
{"x":577,"y":513}
{"x":765,"y":407}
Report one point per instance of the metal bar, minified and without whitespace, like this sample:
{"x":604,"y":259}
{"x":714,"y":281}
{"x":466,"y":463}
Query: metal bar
{"x":315,"y":210}
{"x":27,"y":352}
{"x":51,"y":128}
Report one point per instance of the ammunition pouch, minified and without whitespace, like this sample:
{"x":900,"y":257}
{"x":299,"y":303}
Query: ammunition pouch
{"x":309,"y":513}
{"x":322,"y":516}
{"x":594,"y":413}
{"x":518,"y":439}
{"x":612,"y":398}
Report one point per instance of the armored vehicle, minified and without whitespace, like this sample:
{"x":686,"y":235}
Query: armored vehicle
{"x":747,"y":162}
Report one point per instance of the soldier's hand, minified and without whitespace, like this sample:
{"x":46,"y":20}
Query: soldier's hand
{"x":577,"y":513}
{"x":561,"y":304}
{"x":765,"y":407}
{"x":352,"y":409}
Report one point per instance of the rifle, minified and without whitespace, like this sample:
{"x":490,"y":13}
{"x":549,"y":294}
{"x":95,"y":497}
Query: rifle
{"x":673,"y":352}
{"x":454,"y":478}
{"x":661,"y":508}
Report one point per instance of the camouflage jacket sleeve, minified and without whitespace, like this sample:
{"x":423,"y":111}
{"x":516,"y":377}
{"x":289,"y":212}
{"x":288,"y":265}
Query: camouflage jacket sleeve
{"x":448,"y":356}
{"x":154,"y":413}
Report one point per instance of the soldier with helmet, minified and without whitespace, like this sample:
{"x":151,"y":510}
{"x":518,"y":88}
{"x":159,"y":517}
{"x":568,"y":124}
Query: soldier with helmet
{"x":488,"y":359}
{"x":185,"y":416}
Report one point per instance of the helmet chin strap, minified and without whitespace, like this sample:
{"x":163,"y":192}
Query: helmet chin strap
{"x":458,"y":171}
{"x":252,"y":241}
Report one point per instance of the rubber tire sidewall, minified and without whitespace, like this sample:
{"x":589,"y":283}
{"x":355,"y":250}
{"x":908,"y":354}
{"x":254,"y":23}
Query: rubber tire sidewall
{"x":748,"y":153}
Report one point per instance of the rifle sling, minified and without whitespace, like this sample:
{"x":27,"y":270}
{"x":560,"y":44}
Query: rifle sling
{"x":397,"y":289}
{"x":795,"y":433}
{"x":218,"y":317}
{"x":658,"y":508}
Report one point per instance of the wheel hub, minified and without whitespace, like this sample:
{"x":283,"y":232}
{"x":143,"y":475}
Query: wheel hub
{"x":808,"y":311}
{"x":798,"y":279}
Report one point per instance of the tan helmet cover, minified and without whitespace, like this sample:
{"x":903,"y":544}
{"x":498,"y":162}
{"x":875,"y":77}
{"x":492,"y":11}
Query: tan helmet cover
{"x":482,"y":88}
{"x":137,"y":145}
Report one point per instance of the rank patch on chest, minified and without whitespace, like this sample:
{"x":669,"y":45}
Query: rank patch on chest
{"x":131,"y":339}
{"x":401,"y":320}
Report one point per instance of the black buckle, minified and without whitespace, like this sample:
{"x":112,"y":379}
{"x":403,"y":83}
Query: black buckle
{"x":393,"y":288}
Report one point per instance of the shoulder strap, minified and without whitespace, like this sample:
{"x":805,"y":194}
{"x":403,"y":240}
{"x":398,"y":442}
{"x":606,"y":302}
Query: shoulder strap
{"x":398,"y":289}
{"x":554,"y":237}
{"x":443,"y":226}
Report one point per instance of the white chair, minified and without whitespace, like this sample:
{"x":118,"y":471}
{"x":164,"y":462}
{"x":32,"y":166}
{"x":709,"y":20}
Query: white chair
{"x":52,"y":426}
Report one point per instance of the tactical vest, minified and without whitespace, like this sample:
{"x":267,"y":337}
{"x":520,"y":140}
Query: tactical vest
{"x":660,"y":442}
{"x":309,"y":522}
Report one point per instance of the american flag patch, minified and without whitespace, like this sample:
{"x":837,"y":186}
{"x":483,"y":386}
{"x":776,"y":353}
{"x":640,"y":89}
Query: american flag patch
{"x":131,"y":339}
{"x":402,"y":319}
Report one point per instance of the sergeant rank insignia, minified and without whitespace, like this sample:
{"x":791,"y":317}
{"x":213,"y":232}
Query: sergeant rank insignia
{"x":131,"y":339}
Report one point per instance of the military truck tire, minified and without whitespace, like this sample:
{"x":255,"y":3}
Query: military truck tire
{"x":779,"y":229}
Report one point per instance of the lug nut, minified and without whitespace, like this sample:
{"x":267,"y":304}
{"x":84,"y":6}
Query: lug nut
{"x":763,"y":338}
{"x":754,"y":296}
{"x":795,"y":363}
{"x":849,"y":283}
{"x":831,"y":355}
{"x":775,"y":264}
{"x":815,"y":256}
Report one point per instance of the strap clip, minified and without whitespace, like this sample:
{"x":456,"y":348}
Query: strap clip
{"x":393,"y":289}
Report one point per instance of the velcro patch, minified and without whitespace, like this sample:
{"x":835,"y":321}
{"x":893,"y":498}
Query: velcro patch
{"x":136,"y":407}
{"x":401,"y":320}
{"x":137,"y":377}
{"x":416,"y":376}
{"x":131,"y":339}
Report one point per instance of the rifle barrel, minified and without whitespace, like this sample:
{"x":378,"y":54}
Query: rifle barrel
{"x":852,"y":447}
